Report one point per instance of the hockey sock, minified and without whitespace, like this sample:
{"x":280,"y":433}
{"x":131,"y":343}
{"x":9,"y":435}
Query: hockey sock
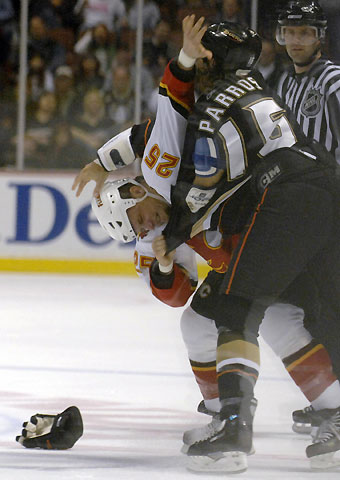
{"x":329,"y":398}
{"x":311,"y":370}
{"x":238,"y":364}
{"x":206,"y":378}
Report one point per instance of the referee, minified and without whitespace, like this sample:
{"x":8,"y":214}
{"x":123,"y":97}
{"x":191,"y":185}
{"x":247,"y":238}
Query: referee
{"x":310,"y":90}
{"x":311,"y":86}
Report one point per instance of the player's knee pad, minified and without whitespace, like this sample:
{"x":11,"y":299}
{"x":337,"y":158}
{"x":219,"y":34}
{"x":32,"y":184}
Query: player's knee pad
{"x":200,"y":336}
{"x":283,"y":330}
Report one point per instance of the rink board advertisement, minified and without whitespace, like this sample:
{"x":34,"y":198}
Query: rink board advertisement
{"x":44,"y":226}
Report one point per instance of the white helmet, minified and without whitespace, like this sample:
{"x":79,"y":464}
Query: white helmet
{"x":110,"y":209}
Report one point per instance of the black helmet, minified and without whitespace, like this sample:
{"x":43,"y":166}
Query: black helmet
{"x":233,"y":45}
{"x":303,"y":12}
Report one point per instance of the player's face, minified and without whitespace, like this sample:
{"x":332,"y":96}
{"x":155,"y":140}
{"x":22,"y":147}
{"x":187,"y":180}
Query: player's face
{"x":301,"y":42}
{"x":148,"y":214}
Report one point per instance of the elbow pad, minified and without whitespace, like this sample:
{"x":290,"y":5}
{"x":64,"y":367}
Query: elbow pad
{"x":117,"y":152}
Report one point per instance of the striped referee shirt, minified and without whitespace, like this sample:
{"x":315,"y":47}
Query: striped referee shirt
{"x":313,"y":98}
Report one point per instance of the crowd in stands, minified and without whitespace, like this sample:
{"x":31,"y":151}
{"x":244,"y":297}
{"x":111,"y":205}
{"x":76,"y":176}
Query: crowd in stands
{"x":81,"y":68}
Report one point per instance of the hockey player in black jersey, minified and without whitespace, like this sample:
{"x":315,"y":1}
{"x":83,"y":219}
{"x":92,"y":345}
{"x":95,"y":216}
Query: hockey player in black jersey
{"x":308,"y":354}
{"x":244,"y":172}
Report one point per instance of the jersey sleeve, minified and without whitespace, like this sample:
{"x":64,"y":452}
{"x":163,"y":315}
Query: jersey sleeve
{"x":174,"y":289}
{"x":140,"y":135}
{"x":178,"y":86}
{"x":215,"y":249}
{"x":163,"y":152}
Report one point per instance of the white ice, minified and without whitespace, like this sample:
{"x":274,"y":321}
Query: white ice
{"x":105,"y":345}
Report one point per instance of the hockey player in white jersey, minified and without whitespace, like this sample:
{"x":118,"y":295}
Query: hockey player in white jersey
{"x":160,"y":150}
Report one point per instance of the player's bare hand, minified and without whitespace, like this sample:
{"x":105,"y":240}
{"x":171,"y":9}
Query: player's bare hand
{"x":159,"y":249}
{"x":192,"y":36}
{"x":91,"y":171}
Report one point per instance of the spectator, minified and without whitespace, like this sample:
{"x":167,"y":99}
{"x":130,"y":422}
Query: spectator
{"x":332,"y":12}
{"x":168,"y":11}
{"x":39,"y":130}
{"x":39,"y":42}
{"x":98,"y":41}
{"x":58,"y":14}
{"x":73,"y":61}
{"x":89,"y":74}
{"x":151,"y":15}
{"x":60,"y":18}
{"x":7,"y":132}
{"x":92,"y":126}
{"x":7,"y":29}
{"x":269,"y":64}
{"x":66,"y":94}
{"x":231,"y":11}
{"x":123,"y":57}
{"x":201,"y":8}
{"x":120,"y":99}
{"x":39,"y":79}
{"x":156,"y":51}
{"x":65,"y":151}
{"x":111,"y":13}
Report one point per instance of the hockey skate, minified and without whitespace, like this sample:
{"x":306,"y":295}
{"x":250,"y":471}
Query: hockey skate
{"x":202,"y":433}
{"x":225,"y":448}
{"x":326,"y":444}
{"x":304,"y":420}
{"x":199,"y":433}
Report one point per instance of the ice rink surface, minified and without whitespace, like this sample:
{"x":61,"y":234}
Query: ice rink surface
{"x":105,"y":345}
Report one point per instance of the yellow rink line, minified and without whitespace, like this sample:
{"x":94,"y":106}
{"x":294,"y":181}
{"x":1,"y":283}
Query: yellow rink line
{"x":95,"y":267}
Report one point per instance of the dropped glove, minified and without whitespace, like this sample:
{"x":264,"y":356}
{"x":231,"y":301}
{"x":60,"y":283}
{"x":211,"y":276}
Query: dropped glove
{"x":52,"y":432}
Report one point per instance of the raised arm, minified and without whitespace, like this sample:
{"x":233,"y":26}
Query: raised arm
{"x":120,"y":150}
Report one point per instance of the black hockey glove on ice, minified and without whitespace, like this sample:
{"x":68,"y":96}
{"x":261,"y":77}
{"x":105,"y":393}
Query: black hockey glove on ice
{"x":52,"y":432}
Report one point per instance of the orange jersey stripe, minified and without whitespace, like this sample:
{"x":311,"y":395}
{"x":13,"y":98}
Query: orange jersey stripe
{"x":146,"y":132}
{"x":245,"y":241}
